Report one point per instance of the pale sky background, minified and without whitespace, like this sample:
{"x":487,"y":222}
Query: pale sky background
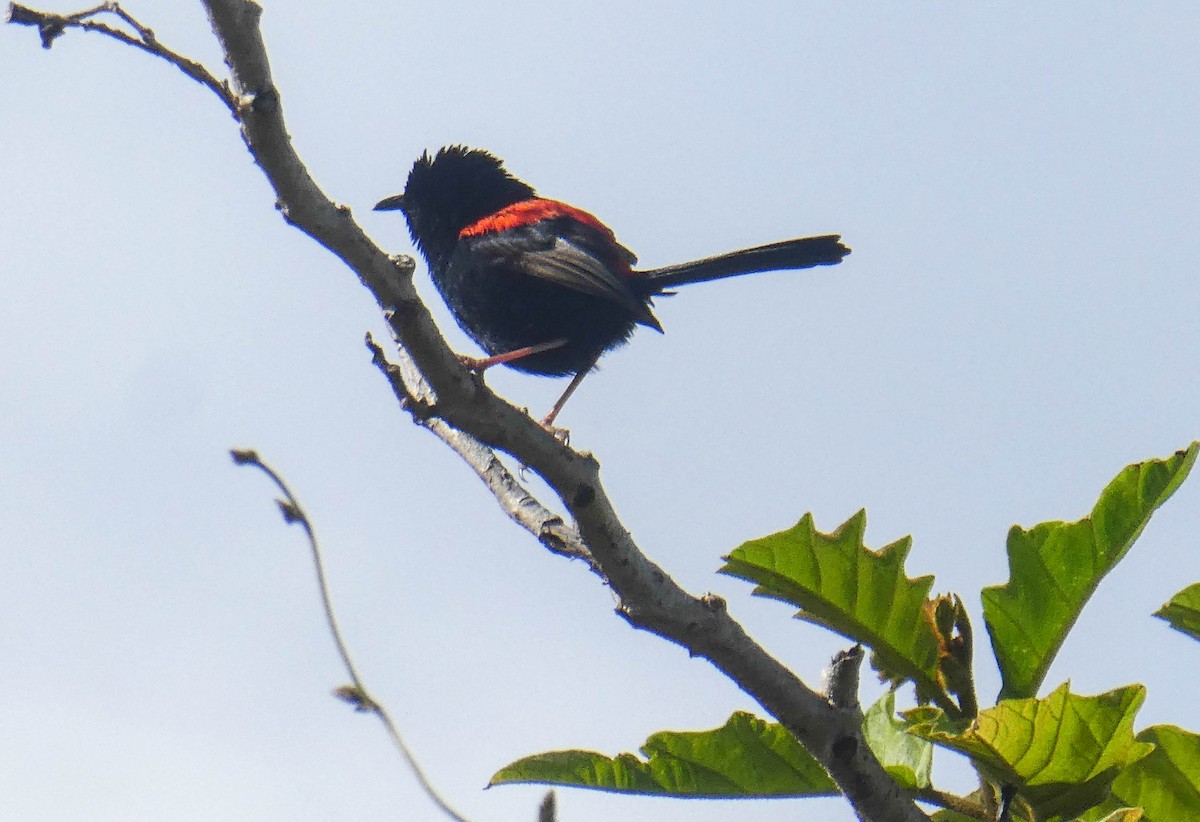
{"x":1018,"y":321}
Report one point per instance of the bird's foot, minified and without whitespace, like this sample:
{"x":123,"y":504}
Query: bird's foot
{"x":563,"y":435}
{"x":476,"y":365}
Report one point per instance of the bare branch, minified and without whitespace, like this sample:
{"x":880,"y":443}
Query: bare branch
{"x":52,"y":26}
{"x":356,"y":693}
{"x":457,"y":401}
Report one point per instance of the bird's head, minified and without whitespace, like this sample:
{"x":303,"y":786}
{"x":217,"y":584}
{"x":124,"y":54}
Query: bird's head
{"x":449,"y":191}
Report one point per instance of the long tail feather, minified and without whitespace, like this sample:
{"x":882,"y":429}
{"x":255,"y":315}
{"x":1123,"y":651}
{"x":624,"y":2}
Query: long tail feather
{"x":786,"y":255}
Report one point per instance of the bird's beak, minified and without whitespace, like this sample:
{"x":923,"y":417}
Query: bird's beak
{"x":391,"y":203}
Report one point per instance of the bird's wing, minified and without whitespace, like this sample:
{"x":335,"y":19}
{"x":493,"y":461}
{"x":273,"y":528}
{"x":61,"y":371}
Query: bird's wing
{"x":573,"y":255}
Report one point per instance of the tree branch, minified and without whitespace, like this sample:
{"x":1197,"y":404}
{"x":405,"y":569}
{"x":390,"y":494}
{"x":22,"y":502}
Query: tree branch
{"x":457,"y":400}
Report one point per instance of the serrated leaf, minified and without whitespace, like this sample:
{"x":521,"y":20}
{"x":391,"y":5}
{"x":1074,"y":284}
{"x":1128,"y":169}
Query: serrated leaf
{"x":1054,"y":567}
{"x":1183,"y":611}
{"x":1166,"y":784}
{"x":1062,"y":752}
{"x":747,"y":757}
{"x":909,"y":759}
{"x":842,"y":585}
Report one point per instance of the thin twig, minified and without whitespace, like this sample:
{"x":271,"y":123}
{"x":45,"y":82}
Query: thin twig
{"x":516,"y":500}
{"x":52,"y":26}
{"x":356,"y":693}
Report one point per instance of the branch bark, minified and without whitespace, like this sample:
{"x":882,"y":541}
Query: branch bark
{"x":456,"y":406}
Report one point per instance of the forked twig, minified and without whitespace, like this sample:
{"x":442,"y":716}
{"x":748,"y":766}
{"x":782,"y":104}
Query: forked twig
{"x":51,"y":26}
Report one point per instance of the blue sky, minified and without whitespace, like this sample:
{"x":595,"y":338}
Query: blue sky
{"x":1018,"y":321}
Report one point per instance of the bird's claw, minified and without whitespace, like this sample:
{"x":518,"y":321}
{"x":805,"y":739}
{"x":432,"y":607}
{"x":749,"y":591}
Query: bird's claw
{"x":473,"y":364}
{"x":563,"y":435}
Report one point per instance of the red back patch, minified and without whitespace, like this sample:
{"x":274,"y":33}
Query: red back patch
{"x":531,"y":211}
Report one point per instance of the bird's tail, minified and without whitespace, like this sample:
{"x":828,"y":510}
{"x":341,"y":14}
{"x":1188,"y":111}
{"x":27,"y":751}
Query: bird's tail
{"x":788,"y":254}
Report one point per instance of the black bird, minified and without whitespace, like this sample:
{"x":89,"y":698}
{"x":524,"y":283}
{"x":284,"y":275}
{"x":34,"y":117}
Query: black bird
{"x":540,"y":285}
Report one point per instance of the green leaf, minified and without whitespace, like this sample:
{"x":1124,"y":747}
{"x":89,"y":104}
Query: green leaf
{"x":1054,"y":568}
{"x":842,"y":585}
{"x":907,"y":758}
{"x":1167,"y":782}
{"x":1183,"y":611}
{"x":747,"y":757}
{"x":1062,"y":752}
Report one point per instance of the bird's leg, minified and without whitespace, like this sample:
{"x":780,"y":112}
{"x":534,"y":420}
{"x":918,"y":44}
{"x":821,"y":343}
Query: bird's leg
{"x":479,"y":365}
{"x":548,"y":422}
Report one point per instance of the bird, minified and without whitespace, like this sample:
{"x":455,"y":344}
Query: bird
{"x":540,"y":285}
